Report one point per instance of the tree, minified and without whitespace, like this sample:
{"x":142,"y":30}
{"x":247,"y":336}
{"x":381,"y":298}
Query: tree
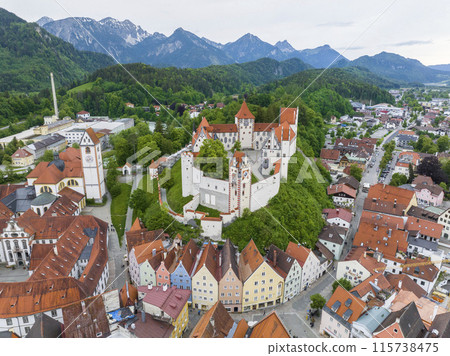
{"x":317,"y":301}
{"x":48,"y":156}
{"x":344,"y":283}
{"x":443,"y":143}
{"x":356,"y":172}
{"x":75,"y":145}
{"x":398,"y":179}
{"x":411,"y":173}
{"x":139,"y":201}
{"x":214,"y":149}
{"x":236,"y":146}
{"x":431,"y":167}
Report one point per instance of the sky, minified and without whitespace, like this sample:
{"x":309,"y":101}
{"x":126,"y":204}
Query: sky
{"x":411,"y":28}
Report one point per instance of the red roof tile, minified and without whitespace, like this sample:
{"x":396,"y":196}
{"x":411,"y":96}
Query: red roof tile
{"x":244,"y":112}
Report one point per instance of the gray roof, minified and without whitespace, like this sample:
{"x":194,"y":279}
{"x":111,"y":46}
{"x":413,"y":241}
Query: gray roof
{"x":45,"y":327}
{"x":407,"y":138}
{"x":440,"y":326}
{"x":331,"y":234}
{"x":43,"y":199}
{"x":284,"y":261}
{"x":429,"y":245}
{"x":229,"y":259}
{"x":422,"y":213}
{"x":20,"y":200}
{"x":373,"y":318}
{"x":410,"y":322}
{"x":43,"y":144}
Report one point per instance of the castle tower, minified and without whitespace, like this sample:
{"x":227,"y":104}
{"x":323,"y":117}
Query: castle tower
{"x":245,"y":122}
{"x":91,"y":160}
{"x":240,"y":180}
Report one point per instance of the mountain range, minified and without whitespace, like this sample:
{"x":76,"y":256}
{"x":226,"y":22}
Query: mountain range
{"x":183,"y":49}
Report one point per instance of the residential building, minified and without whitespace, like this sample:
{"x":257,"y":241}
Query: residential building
{"x":205,"y":279}
{"x":340,"y":217}
{"x":350,"y":181}
{"x":309,"y":263}
{"x":402,"y":168}
{"x":404,"y":323}
{"x":429,"y":194}
{"x":215,"y":323}
{"x":142,"y":271}
{"x":22,"y":158}
{"x":83,"y":115}
{"x":424,"y":275}
{"x":389,"y":200}
{"x":341,"y":310}
{"x":331,"y":156}
{"x":333,"y":238}
{"x":262,"y":286}
{"x":164,"y":269}
{"x":343,"y":195}
{"x":230,"y":284}
{"x":288,"y":268}
{"x":404,"y":282}
{"x":358,"y":266}
{"x":54,"y":143}
{"x":168,"y":304}
{"x":371,"y":287}
{"x":440,"y":328}
{"x":270,"y":326}
{"x":181,"y":276}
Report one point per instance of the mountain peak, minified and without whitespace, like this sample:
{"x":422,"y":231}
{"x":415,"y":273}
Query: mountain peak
{"x":44,"y":20}
{"x":285,"y":47}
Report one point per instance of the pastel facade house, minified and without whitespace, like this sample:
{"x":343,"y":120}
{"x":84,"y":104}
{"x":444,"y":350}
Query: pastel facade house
{"x":343,"y":195}
{"x":83,"y":115}
{"x":358,"y":266}
{"x":149,"y":267}
{"x":429,"y":195}
{"x":165,"y":268}
{"x":332,"y":237}
{"x":339,"y":217}
{"x":338,"y":315}
{"x":181,"y":276}
{"x":139,"y":266}
{"x":22,"y":158}
{"x":262,"y":286}
{"x":423,"y":238}
{"x":402,"y":168}
{"x":167,"y":304}
{"x":287,"y":267}
{"x":127,"y":169}
{"x":308,"y":261}
{"x":230,"y":285}
{"x":205,"y":279}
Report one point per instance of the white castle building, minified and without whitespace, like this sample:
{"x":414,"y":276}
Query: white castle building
{"x":275,"y":143}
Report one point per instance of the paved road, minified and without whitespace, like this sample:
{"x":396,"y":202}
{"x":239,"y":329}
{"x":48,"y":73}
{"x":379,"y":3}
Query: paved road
{"x":115,"y":251}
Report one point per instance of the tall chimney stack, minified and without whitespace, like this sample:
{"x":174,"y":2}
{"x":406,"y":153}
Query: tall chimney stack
{"x":55,"y":102}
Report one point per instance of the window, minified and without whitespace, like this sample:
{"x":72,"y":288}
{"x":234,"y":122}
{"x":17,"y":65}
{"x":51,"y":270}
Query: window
{"x":16,"y":244}
{"x":8,"y":245}
{"x":88,"y":150}
{"x":9,"y":321}
{"x":25,"y":319}
{"x":27,"y":329}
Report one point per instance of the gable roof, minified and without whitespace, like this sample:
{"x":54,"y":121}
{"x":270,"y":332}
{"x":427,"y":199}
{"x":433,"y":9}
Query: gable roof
{"x":388,"y":221}
{"x":270,"y":327}
{"x":299,"y":252}
{"x":209,"y":260}
{"x":328,"y":154}
{"x":189,"y":256}
{"x":90,"y":132}
{"x":340,"y":213}
{"x":420,"y":179}
{"x":351,"y":181}
{"x":331,"y":234}
{"x":288,"y":115}
{"x":428,"y":272}
{"x":229,"y":259}
{"x":404,"y":282}
{"x":141,"y":236}
{"x":388,"y":193}
{"x":341,"y":188}
{"x":425,"y":227}
{"x":147,"y":250}
{"x":45,"y":327}
{"x":373,"y":284}
{"x":434,"y":189}
{"x":365,"y":259}
{"x":280,"y":260}
{"x":215,"y":323}
{"x":346,"y":305}
{"x":249,"y":261}
{"x":440,"y":327}
{"x":171,"y":301}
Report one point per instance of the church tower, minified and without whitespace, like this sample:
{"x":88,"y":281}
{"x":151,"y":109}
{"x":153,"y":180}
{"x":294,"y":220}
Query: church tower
{"x":240,"y":180}
{"x":91,"y":158}
{"x":245,"y":122}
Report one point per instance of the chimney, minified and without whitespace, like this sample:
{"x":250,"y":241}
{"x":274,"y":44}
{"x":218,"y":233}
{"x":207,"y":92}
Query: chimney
{"x":55,"y":250}
{"x":83,"y":306}
{"x":400,"y":282}
{"x":435,"y":312}
{"x":154,"y":252}
{"x":164,"y":287}
{"x":379,"y":257}
{"x":395,"y":203}
{"x":143,"y":316}
{"x":376,"y":281}
{"x":365,"y":254}
{"x":150,"y":286}
{"x":389,"y":232}
{"x":274,"y":258}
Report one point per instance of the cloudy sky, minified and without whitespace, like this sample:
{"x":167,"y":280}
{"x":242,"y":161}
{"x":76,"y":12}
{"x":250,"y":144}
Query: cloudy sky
{"x":414,"y":29}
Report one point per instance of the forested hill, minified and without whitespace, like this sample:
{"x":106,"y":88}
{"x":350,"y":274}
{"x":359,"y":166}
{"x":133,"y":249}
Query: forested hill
{"x":28,"y":54}
{"x":226,"y":79}
{"x":351,"y":83}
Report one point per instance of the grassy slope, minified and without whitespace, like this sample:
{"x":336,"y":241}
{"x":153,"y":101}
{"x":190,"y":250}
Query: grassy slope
{"x":119,"y":207}
{"x":174,"y":194}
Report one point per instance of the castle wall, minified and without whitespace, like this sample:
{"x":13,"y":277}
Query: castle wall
{"x":214,"y":193}
{"x":263,"y":191}
{"x":212,"y":228}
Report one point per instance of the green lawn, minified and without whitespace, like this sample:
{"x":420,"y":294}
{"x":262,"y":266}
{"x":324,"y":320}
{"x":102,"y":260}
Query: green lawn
{"x":119,"y":207}
{"x":174,"y":193}
{"x":254,"y":179}
{"x":83,"y":87}
{"x":212,"y":213}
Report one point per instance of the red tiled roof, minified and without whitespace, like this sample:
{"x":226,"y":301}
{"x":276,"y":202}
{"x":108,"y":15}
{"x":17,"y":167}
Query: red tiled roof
{"x":284,"y":132}
{"x":393,"y":222}
{"x":244,"y":112}
{"x":270,"y":327}
{"x":340,"y":213}
{"x":404,"y":282}
{"x":21,"y":153}
{"x":250,"y":260}
{"x":340,"y":295}
{"x":365,"y":286}
{"x":288,"y":115}
{"x":219,"y":128}
{"x":264,"y":127}
{"x":210,"y":261}
{"x":171,"y":301}
{"x":377,"y":238}
{"x":71,"y":194}
{"x":428,"y":272}
{"x":144,"y":252}
{"x":425,"y":227}
{"x":299,"y":252}
{"x":341,"y":188}
{"x":331,"y":155}
{"x":92,"y":136}
{"x":215,"y":323}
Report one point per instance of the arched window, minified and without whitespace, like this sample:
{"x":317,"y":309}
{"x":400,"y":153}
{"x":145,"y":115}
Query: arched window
{"x":88,"y":150}
{"x":16,"y":244}
{"x":46,"y":189}
{"x":38,"y":211}
{"x":45,"y":209}
{"x":8,"y":245}
{"x":24,"y":244}
{"x":72,"y":182}
{"x":61,"y":186}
